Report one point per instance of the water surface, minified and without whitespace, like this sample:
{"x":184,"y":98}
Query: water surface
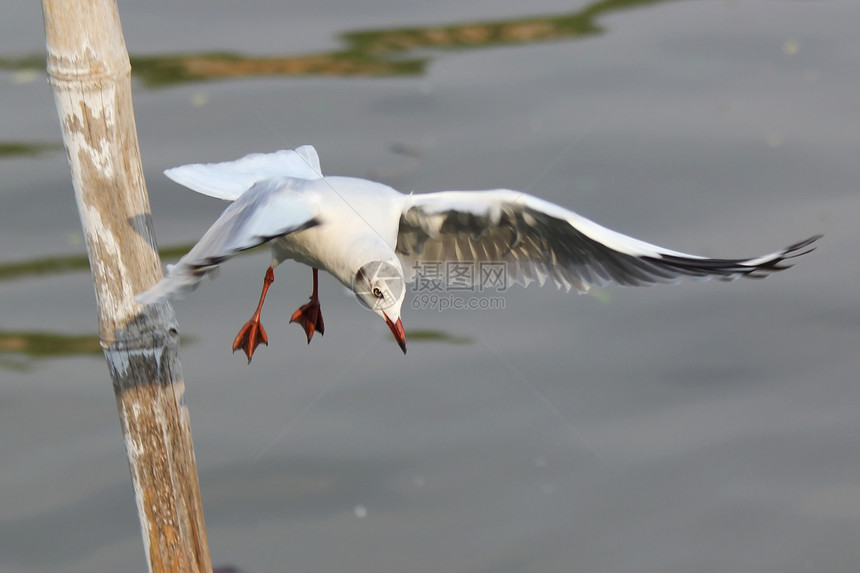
{"x":702,"y":427}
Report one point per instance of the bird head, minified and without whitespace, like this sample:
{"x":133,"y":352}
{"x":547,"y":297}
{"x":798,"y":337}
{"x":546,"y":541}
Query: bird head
{"x":380,"y":286}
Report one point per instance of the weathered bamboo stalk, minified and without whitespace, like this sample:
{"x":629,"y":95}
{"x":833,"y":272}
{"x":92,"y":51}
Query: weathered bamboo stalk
{"x":89,"y":72}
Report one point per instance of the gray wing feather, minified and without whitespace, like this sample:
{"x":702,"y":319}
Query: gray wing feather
{"x":540,"y":241}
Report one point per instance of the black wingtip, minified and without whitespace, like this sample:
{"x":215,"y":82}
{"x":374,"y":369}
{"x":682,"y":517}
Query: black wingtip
{"x":793,"y":249}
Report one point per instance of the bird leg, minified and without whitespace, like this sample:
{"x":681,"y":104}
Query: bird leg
{"x":253,"y":333}
{"x":309,"y":315}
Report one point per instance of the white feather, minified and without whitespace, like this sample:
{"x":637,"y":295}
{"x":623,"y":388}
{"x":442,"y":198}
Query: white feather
{"x":228,"y":180}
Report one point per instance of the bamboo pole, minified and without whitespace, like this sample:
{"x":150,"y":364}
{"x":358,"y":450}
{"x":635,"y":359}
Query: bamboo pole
{"x":89,"y":72}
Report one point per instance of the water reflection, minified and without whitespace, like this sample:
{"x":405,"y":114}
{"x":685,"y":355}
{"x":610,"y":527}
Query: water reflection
{"x":438,"y":336}
{"x":371,"y":53}
{"x":69,"y":263}
{"x":381,"y":52}
{"x":44,"y":344}
{"x":18,"y":350}
{"x":41,"y":345}
{"x":17,"y":149}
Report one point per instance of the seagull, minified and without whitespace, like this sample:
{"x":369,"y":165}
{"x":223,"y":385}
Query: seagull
{"x":374,"y":239}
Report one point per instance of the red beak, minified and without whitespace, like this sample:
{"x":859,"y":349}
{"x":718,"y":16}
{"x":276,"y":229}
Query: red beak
{"x":397,"y":331}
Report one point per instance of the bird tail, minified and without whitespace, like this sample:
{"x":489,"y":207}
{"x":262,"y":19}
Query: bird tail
{"x":179,"y":280}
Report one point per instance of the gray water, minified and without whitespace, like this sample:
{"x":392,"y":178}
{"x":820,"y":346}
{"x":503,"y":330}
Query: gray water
{"x":701,"y":427}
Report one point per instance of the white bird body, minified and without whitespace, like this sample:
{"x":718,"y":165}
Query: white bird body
{"x":353,"y":227}
{"x":358,"y":226}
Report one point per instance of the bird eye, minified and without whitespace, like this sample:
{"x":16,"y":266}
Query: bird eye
{"x":377,"y":292}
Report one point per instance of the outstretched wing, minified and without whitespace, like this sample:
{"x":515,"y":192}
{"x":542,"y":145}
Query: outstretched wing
{"x":230,"y":179}
{"x":269,"y":209}
{"x":539,"y":240}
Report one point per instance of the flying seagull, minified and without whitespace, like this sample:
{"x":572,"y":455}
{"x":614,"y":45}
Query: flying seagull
{"x":372,"y":238}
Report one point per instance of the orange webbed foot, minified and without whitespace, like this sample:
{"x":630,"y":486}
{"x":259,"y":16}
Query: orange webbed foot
{"x":250,"y":337}
{"x":310,"y":318}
